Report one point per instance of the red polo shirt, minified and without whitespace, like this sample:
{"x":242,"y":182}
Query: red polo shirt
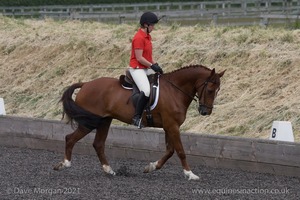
{"x":141,"y":40}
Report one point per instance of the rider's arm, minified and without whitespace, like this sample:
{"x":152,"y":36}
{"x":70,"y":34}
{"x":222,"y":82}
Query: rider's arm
{"x":140,"y":58}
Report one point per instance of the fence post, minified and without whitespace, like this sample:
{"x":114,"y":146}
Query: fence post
{"x":121,"y":18}
{"x":244,"y":7}
{"x":215,"y":18}
{"x":264,"y":21}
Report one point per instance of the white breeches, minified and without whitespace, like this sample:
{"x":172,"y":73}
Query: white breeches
{"x":140,"y":78}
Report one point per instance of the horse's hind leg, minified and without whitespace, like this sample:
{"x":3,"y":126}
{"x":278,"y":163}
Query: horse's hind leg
{"x":71,"y":140}
{"x":99,"y":144}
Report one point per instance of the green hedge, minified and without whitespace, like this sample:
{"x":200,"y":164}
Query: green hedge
{"x":75,"y":2}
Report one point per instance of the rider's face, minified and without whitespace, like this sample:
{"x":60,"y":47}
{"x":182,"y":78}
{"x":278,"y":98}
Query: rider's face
{"x":150,"y":27}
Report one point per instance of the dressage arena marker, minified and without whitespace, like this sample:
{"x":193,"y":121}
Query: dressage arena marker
{"x":282,"y":130}
{"x":2,"y":109}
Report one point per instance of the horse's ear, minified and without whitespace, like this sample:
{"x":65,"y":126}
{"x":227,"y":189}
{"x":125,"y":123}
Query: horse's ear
{"x":213,"y":71}
{"x":222,"y":73}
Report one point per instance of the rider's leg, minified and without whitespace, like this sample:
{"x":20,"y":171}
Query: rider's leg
{"x":141,"y":80}
{"x":139,"y":109}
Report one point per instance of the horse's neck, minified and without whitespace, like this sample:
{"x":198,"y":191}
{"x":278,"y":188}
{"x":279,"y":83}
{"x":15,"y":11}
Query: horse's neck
{"x":185,"y":82}
{"x":187,"y":79}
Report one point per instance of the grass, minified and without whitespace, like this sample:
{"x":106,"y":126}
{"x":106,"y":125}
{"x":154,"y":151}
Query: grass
{"x":40,"y":58}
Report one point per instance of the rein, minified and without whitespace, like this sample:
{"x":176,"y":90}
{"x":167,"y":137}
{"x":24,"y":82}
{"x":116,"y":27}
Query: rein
{"x":178,"y":88}
{"x":192,"y":97}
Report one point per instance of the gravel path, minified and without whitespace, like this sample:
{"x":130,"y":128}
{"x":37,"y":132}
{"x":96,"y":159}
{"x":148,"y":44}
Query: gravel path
{"x":28,"y":174}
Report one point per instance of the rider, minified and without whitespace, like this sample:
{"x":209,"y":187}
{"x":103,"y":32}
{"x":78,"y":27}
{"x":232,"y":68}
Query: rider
{"x":141,"y":63}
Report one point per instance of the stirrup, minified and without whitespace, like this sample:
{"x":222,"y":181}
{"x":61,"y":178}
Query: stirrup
{"x":137,"y":121}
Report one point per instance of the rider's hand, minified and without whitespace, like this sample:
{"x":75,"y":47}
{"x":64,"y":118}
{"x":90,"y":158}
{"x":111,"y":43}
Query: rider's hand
{"x":157,"y":68}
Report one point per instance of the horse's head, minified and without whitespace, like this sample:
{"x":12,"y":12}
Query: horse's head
{"x":207,"y":92}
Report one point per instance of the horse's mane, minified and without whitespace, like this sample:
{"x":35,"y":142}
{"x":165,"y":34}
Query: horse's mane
{"x":186,"y":67}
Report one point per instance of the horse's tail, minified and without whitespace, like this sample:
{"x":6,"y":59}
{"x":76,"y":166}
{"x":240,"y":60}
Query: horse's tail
{"x":74,"y":113}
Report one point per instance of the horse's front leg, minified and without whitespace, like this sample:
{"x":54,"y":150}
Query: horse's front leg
{"x":99,"y":145}
{"x":175,"y":136}
{"x":173,"y":141}
{"x":158,"y":164}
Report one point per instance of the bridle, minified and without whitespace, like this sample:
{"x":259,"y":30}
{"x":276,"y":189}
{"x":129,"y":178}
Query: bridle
{"x":203,"y":93}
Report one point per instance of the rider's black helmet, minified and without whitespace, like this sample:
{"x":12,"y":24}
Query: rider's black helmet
{"x":148,"y":18}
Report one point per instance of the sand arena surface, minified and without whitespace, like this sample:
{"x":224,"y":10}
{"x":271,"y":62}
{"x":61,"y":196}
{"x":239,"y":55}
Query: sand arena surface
{"x":28,"y":174}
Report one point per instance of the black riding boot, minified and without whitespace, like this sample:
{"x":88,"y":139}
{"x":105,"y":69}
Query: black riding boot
{"x":139,"y":108}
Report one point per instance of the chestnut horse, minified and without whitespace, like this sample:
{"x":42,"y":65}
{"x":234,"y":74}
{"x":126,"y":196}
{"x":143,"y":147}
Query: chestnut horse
{"x":103,"y":99}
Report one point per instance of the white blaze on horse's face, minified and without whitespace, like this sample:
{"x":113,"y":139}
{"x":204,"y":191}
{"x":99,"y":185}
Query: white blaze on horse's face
{"x":217,"y":90}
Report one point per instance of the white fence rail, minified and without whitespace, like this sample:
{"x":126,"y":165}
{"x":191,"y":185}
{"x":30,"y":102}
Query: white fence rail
{"x":215,"y":11}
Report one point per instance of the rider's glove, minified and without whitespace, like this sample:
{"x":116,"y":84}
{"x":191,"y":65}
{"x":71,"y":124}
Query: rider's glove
{"x":157,"y":68}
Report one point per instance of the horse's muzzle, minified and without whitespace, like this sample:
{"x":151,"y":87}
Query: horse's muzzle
{"x":204,"y":110}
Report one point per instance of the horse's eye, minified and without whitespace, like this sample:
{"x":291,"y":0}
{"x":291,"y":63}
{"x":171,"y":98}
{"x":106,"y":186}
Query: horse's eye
{"x":210,"y":91}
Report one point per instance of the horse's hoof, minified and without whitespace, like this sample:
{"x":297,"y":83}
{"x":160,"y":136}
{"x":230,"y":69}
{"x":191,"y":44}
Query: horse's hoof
{"x":151,"y":167}
{"x":62,"y":165}
{"x":190,"y":175}
{"x":59,"y":166}
{"x":108,"y":170}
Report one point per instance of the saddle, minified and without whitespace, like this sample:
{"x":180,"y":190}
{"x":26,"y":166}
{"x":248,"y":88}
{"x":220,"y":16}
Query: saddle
{"x":128,"y":83}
